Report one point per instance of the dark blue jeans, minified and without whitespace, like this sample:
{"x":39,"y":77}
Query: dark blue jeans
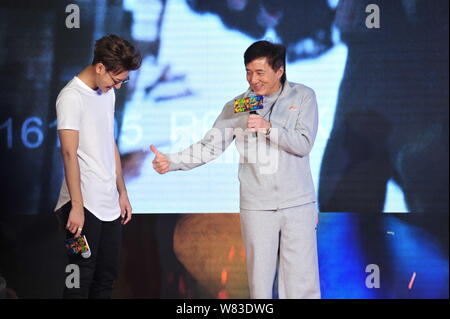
{"x":98,"y":272}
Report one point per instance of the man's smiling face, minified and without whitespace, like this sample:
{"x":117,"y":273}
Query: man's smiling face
{"x":262,"y":78}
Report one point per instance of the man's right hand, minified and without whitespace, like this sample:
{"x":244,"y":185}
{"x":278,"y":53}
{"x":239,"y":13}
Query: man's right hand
{"x":160,"y":162}
{"x":75,"y":222}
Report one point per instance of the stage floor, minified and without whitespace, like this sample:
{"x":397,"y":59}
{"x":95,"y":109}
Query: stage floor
{"x":202,"y":256}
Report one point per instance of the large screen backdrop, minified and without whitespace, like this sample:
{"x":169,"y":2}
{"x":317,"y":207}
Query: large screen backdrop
{"x":382,"y":143}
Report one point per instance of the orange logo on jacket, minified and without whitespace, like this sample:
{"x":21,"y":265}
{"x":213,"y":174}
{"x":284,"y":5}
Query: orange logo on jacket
{"x":293,"y":108}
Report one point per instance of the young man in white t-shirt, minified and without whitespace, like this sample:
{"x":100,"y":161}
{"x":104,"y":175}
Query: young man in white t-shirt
{"x":93,"y":200}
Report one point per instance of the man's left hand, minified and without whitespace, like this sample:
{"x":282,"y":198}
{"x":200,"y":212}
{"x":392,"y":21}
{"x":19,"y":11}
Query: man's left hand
{"x":257,"y":123}
{"x":125,"y":208}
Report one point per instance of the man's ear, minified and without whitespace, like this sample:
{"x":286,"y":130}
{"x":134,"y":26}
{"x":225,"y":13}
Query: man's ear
{"x":99,"y":67}
{"x":280,"y":72}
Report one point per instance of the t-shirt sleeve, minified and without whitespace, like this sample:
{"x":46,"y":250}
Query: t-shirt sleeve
{"x":68,"y":111}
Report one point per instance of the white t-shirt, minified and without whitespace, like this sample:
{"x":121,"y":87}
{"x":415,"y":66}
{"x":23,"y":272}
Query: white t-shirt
{"x":91,"y":112}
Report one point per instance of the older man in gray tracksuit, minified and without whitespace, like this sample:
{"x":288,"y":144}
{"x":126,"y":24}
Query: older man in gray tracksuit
{"x":277,"y":196}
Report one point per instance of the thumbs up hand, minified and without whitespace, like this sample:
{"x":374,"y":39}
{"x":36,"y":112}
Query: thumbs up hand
{"x":160,"y":162}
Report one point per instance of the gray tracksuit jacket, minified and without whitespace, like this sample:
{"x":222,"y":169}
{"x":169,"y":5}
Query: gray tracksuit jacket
{"x":274,"y":170}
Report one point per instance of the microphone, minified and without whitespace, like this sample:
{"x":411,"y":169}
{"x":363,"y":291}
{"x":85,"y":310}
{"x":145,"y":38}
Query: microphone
{"x":78,"y":245}
{"x":249,"y":104}
{"x":254,"y":134}
{"x":86,"y":251}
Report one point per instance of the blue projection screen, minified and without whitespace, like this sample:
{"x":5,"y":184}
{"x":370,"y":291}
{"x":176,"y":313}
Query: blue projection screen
{"x":381,"y":87}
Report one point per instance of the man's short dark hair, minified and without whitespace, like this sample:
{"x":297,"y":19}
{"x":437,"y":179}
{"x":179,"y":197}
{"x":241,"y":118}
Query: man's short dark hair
{"x":275,"y":54}
{"x":116,"y":54}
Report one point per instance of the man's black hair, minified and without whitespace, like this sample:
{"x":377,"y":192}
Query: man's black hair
{"x":275,"y":54}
